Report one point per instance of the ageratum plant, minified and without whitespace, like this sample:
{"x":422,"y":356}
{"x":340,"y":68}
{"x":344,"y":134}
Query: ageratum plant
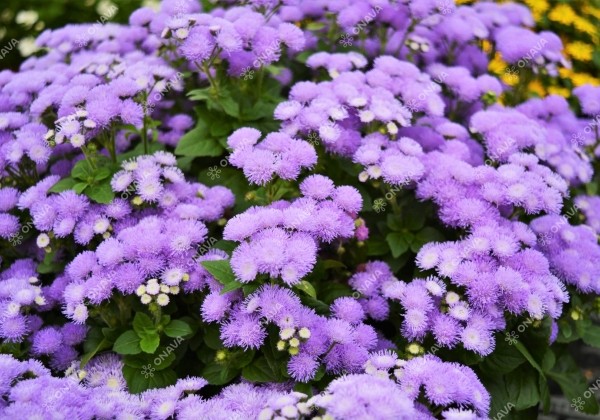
{"x":296,"y":210}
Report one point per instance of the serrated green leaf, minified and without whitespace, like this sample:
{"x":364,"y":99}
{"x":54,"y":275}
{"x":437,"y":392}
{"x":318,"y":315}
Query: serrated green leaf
{"x":127,"y":343}
{"x":177,"y":328}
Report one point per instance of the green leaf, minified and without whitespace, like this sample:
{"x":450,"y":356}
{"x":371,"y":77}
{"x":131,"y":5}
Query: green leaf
{"x":260,"y":371}
{"x":315,"y":26}
{"x":229,"y":105}
{"x":142,"y":323}
{"x":219,"y":374}
{"x":212,"y":337}
{"x":140,"y":380}
{"x":222,"y":272}
{"x":80,"y":187}
{"x":519,"y":346}
{"x":227,"y":246}
{"x":504,"y":359}
{"x":63,"y":185}
{"x":377,"y":247}
{"x":522,"y":386}
{"x":573,"y":384}
{"x":242,"y":358}
{"x":150,"y":342}
{"x":307,"y":288}
{"x":163,"y":356}
{"x":177,"y":328}
{"x":394,"y":222}
{"x":127,"y":343}
{"x":100,"y":193}
{"x":397,"y":243}
{"x":197,"y":142}
{"x":103,"y":173}
{"x":83,"y":171}
{"x":94,"y":342}
{"x":424,"y":236}
{"x":200,"y":94}
{"x":591,"y":336}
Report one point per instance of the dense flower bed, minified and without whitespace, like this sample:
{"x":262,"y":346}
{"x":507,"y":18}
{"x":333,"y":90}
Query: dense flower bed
{"x":297,"y":209}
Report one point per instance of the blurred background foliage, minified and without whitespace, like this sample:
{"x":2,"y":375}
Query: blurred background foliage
{"x":24,"y":20}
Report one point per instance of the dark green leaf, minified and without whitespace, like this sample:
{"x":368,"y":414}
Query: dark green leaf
{"x":573,"y":384}
{"x":397,"y":243}
{"x":504,"y":359}
{"x":139,"y":380}
{"x":177,"y":328}
{"x":522,"y":386}
{"x":127,"y":343}
{"x":591,"y":336}
{"x":260,"y":371}
{"x":219,"y":374}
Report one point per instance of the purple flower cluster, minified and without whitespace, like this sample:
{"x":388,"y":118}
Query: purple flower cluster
{"x":277,"y":154}
{"x":282,"y":240}
{"x":572,"y":251}
{"x":415,"y":106}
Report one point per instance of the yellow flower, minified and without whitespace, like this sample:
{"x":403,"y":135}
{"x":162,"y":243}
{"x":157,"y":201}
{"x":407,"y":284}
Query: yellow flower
{"x":590,"y":10}
{"x":580,"y":51}
{"x":557,"y":90}
{"x":585,"y":26}
{"x":537,"y":87}
{"x":580,"y":79}
{"x":538,"y":7}
{"x":497,"y":64}
{"x":565,"y":72}
{"x":562,"y":13}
